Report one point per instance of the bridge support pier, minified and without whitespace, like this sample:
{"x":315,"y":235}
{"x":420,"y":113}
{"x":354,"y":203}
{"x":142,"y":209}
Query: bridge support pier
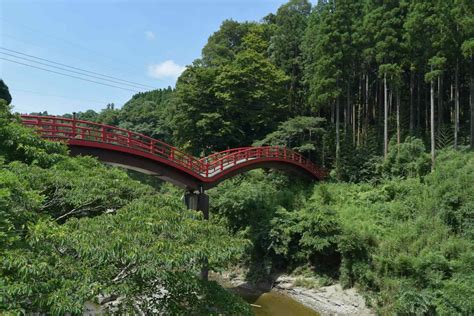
{"x":199,"y":201}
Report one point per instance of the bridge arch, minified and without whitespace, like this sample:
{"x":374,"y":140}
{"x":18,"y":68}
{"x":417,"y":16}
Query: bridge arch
{"x":138,"y":152}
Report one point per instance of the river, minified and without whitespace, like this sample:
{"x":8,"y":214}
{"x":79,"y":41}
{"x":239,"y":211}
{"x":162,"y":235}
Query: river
{"x":266,"y":303}
{"x":276,"y":304}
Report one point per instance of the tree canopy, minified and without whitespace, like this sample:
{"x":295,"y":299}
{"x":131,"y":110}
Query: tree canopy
{"x":362,"y":88}
{"x":4,"y":92}
{"x":73,"y":230}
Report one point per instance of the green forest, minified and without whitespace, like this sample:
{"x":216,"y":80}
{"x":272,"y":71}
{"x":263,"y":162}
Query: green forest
{"x":379,"y":93}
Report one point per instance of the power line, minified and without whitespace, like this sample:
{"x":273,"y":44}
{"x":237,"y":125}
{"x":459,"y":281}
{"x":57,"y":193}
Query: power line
{"x":68,"y":75}
{"x":83,"y":70}
{"x":58,"y":96}
{"x":85,"y":48}
{"x":77,"y":58}
{"x":65,"y":69}
{"x":20,"y":109}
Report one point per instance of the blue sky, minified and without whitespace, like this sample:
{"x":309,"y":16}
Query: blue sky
{"x":147,"y":42}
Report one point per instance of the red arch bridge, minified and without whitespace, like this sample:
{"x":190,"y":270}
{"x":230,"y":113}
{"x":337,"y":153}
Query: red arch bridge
{"x":138,"y":152}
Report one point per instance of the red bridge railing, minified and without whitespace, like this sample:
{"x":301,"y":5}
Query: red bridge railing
{"x":69,"y":130}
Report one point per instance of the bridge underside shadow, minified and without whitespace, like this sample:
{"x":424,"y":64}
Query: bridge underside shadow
{"x":139,"y":164}
{"x":267,"y":164}
{"x":178,"y":177}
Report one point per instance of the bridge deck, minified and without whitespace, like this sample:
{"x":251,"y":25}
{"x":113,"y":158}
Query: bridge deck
{"x":206,"y":170}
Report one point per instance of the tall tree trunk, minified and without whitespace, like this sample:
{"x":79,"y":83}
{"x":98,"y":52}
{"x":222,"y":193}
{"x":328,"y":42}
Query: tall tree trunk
{"x":367,"y":98}
{"x":456,"y":104}
{"x":440,"y":102}
{"x":377,"y":108}
{"x":390,"y":99}
{"x":385,"y":118}
{"x":426,"y":93}
{"x":355,"y":106}
{"x":398,"y":115}
{"x":357,"y":109}
{"x":418,"y":104}
{"x":471,"y":101}
{"x":323,"y":161}
{"x":333,"y":109}
{"x":337,"y":137}
{"x":432,"y":120}
{"x":346,"y":113}
{"x":359,"y":124}
{"x":412,"y":114}
{"x":366,"y":111}
{"x":349,"y":108}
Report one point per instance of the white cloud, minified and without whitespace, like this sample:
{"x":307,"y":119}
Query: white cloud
{"x":149,"y":35}
{"x":166,"y":69}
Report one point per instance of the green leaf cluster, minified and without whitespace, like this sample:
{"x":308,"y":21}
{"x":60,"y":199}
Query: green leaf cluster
{"x":405,"y":239}
{"x":73,"y":231}
{"x":233,"y":95}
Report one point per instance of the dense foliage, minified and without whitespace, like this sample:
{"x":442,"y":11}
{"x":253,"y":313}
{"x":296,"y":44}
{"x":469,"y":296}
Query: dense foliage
{"x":373,"y":70}
{"x":73,"y":230}
{"x":147,"y":113}
{"x":363,"y":88}
{"x":406,"y":239}
{"x":4,"y":92}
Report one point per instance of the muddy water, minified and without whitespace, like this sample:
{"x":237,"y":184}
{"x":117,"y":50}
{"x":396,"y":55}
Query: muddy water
{"x":276,"y":304}
{"x":266,"y":303}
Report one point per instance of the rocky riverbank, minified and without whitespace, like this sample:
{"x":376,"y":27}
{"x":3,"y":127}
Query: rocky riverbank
{"x":326,"y":300}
